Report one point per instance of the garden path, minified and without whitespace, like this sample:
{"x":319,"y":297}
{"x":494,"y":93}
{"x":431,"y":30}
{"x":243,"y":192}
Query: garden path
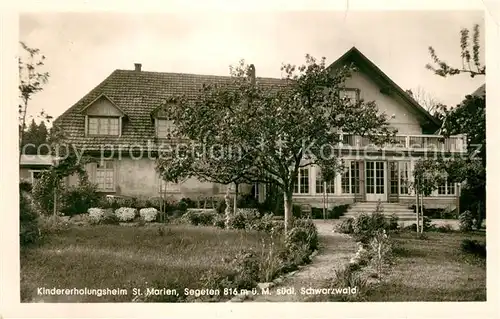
{"x":335,"y":251}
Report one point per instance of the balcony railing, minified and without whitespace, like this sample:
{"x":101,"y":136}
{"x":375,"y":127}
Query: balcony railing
{"x":411,"y":142}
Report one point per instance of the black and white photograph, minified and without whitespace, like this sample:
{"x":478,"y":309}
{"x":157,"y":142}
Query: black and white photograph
{"x":239,"y":157}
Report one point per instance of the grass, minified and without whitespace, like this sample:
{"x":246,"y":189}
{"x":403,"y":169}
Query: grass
{"x":109,"y":256}
{"x":432,"y":269}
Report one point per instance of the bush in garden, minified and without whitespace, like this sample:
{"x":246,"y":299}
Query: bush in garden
{"x":52,"y":224}
{"x":186,"y":203}
{"x":246,"y":267}
{"x":43,"y":191}
{"x":29,"y":232}
{"x":126,"y":214}
{"x":96,"y":215}
{"x":237,"y":221}
{"x":78,"y":199}
{"x":220,"y":221}
{"x":200,"y":217}
{"x":346,"y":226}
{"x":393,"y":222}
{"x":251,"y":216}
{"x":466,"y":221}
{"x":265,"y":223}
{"x":474,"y":247}
{"x":148,"y":214}
{"x":311,"y":231}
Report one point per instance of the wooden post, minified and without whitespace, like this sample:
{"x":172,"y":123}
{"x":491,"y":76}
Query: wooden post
{"x":417,"y":210}
{"x":422,"y":215}
{"x":324,"y":200}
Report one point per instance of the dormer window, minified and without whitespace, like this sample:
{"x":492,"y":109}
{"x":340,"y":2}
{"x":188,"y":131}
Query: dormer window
{"x":164,"y":128}
{"x":103,"y":117}
{"x":109,"y":126}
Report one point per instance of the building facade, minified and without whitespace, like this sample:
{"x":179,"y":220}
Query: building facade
{"x":117,"y":121}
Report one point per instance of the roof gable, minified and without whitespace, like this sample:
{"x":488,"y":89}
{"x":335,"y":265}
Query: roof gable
{"x":103,"y":101}
{"x":387,"y":85}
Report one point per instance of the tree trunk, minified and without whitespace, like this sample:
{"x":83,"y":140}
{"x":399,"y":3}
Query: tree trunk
{"x":227,"y":211}
{"x":422,"y":213}
{"x":417,"y":209}
{"x":235,"y":201}
{"x":288,"y":210}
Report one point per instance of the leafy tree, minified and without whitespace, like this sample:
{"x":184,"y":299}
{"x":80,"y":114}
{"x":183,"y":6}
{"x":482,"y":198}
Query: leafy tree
{"x":277,"y":129}
{"x":469,"y":117}
{"x":31,"y":81}
{"x":34,"y":136}
{"x":471,"y":63}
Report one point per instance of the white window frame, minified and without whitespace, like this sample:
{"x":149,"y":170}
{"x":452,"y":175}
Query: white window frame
{"x":106,"y":170}
{"x":324,"y":185}
{"x":298,"y":187}
{"x":100,"y":124}
{"x":447,"y":187}
{"x":349,"y":172}
{"x":400,"y":178}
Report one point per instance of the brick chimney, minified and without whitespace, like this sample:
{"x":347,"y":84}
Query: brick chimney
{"x":138,"y":67}
{"x":251,"y":73}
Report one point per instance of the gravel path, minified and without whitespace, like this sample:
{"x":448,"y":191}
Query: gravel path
{"x":334,"y":252}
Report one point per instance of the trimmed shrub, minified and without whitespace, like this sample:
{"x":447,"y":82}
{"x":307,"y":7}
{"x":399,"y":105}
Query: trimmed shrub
{"x":126,"y":214}
{"x":148,"y":214}
{"x":466,"y":220}
{"x":203,"y":217}
{"x":96,"y":215}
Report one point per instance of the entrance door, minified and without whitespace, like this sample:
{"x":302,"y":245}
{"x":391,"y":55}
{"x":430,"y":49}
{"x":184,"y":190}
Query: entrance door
{"x":376,"y":181}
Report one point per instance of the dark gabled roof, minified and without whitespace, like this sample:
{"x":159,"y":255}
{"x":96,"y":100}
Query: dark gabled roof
{"x":139,"y":93}
{"x":353,"y":55}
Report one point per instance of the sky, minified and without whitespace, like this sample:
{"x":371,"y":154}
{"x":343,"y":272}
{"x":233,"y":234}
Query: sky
{"x":82,"y":49}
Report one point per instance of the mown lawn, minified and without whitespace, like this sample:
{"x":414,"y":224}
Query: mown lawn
{"x":124,"y":257}
{"x":432,"y":269}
